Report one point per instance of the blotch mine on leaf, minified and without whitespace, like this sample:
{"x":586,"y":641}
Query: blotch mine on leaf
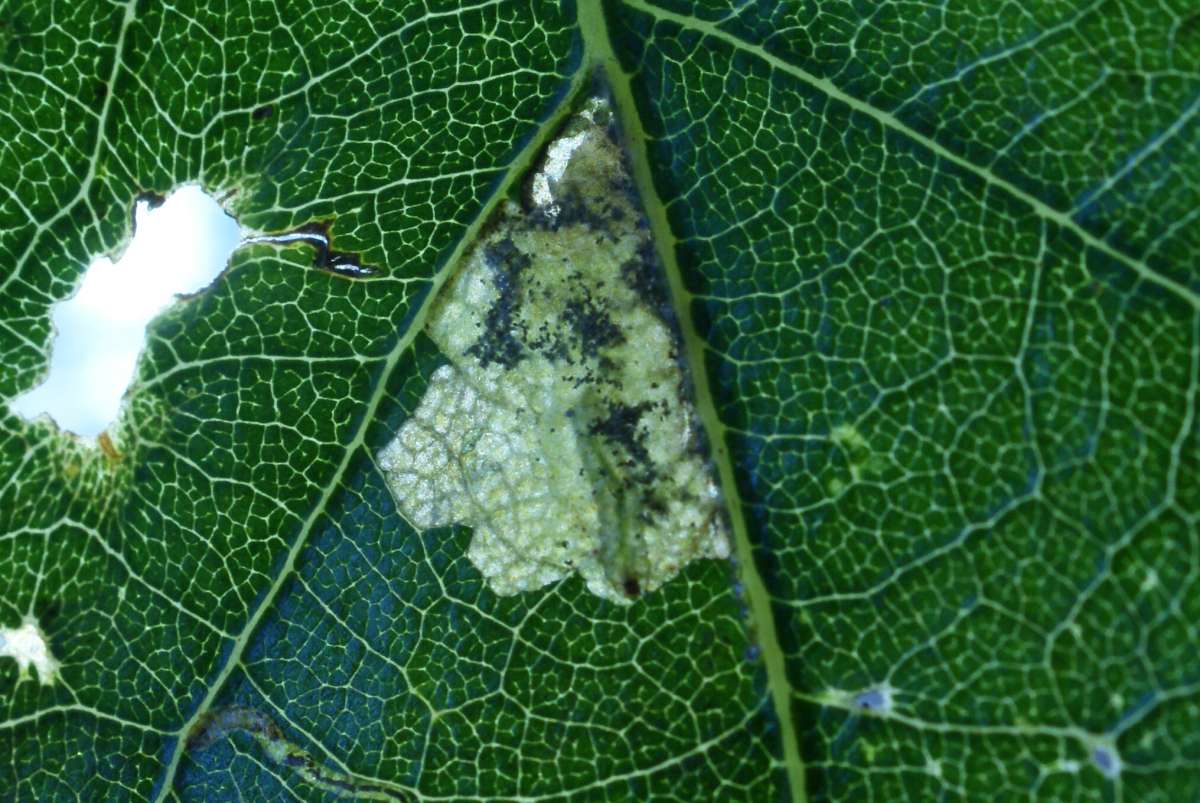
{"x":27,"y":645}
{"x":562,"y":428}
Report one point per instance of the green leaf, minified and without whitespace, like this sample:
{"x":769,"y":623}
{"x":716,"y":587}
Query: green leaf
{"x":935,"y":268}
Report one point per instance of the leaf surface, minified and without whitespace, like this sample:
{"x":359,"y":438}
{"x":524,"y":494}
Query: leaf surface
{"x":936,"y":273}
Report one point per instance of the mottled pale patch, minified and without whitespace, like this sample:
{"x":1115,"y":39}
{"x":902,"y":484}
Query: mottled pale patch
{"x":562,"y":429}
{"x":222,"y":723}
{"x":27,"y":645}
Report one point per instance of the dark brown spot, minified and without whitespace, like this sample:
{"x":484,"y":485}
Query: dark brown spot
{"x":109,"y":448}
{"x":622,"y":427}
{"x":152,"y":199}
{"x":499,"y":343}
{"x":592,"y":326}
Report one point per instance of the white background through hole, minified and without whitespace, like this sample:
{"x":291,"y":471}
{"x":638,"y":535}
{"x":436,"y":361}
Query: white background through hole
{"x":180,"y":247}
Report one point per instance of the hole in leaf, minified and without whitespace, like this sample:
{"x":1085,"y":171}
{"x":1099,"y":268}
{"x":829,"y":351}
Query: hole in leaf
{"x":179,"y":246}
{"x":27,"y":645}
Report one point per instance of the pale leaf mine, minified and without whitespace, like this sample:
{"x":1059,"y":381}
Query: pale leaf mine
{"x":562,"y":429}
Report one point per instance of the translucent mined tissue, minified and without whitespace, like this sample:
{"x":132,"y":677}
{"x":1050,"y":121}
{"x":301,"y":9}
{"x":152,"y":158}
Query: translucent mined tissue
{"x":561,"y":428}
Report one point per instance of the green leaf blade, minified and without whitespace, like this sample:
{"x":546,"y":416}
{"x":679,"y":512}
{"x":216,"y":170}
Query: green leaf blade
{"x":925,"y":376}
{"x":937,"y":272}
